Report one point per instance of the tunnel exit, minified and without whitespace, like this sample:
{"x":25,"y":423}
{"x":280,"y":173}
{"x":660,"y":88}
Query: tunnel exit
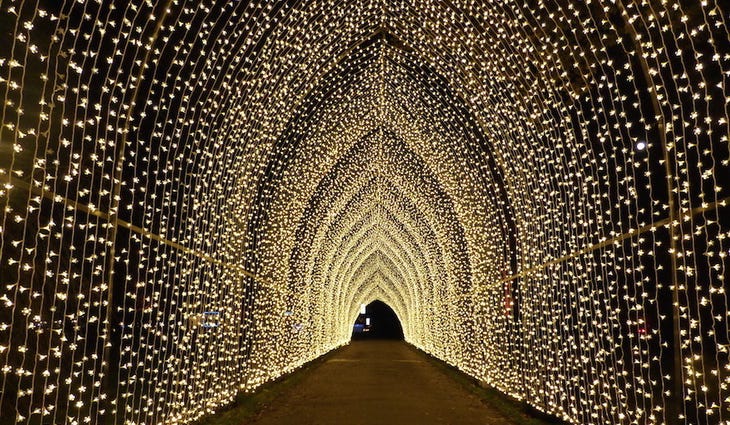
{"x":377,"y":321}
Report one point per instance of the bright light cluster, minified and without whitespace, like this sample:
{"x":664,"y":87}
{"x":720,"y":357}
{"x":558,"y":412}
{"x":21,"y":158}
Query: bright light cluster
{"x":198,"y":195}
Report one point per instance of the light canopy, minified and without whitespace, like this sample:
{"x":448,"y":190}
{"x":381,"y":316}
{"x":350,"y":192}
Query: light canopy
{"x":197,"y":197}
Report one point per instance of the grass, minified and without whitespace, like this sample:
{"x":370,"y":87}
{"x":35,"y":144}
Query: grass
{"x":515,"y":411}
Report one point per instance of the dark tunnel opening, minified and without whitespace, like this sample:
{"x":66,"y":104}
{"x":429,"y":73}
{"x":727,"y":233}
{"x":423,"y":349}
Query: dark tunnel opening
{"x":377,"y":321}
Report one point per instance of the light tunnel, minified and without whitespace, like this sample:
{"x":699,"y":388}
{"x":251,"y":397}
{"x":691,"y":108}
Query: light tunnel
{"x":197,"y":197}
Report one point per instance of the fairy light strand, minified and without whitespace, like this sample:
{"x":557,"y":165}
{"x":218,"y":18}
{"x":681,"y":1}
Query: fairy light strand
{"x":197,"y":196}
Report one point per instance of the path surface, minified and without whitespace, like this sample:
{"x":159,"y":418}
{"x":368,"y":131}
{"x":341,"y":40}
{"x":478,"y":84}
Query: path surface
{"x":378,"y":383}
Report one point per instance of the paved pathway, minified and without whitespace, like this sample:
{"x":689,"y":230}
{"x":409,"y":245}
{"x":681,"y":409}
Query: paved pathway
{"x":378,"y":383}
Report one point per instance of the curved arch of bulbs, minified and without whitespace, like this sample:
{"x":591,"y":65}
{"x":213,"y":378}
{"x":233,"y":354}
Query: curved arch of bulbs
{"x":197,"y":196}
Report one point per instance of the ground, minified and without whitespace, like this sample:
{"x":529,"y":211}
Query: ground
{"x":378,"y":382}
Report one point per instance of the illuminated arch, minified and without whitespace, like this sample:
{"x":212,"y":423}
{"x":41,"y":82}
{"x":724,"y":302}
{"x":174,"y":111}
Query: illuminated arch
{"x":194,"y":197}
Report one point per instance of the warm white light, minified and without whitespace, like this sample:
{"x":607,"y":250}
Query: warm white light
{"x":197,"y":197}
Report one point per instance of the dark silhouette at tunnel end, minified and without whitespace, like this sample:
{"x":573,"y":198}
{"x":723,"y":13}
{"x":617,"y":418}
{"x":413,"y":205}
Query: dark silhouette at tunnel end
{"x":378,"y":322}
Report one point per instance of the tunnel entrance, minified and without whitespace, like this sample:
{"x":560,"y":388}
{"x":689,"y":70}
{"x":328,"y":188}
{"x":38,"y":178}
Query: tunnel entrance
{"x":377,"y":321}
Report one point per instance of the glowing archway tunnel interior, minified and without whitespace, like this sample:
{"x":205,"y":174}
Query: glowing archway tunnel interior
{"x":197,"y":196}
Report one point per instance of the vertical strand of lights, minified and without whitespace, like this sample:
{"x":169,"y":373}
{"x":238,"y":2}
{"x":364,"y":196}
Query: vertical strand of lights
{"x":197,"y":196}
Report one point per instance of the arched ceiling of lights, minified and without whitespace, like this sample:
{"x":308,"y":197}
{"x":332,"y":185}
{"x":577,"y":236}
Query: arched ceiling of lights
{"x":198,"y":195}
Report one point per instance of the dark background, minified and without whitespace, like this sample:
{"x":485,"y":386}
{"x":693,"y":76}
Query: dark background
{"x":384,"y":324}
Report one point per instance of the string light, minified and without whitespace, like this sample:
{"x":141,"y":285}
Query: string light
{"x":198,"y":196}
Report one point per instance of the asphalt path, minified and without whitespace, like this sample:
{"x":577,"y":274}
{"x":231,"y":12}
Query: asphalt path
{"x":378,"y":383}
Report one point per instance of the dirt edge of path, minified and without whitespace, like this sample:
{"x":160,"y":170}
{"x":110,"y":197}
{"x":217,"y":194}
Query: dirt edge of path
{"x":516,"y":411}
{"x":249,"y":405}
